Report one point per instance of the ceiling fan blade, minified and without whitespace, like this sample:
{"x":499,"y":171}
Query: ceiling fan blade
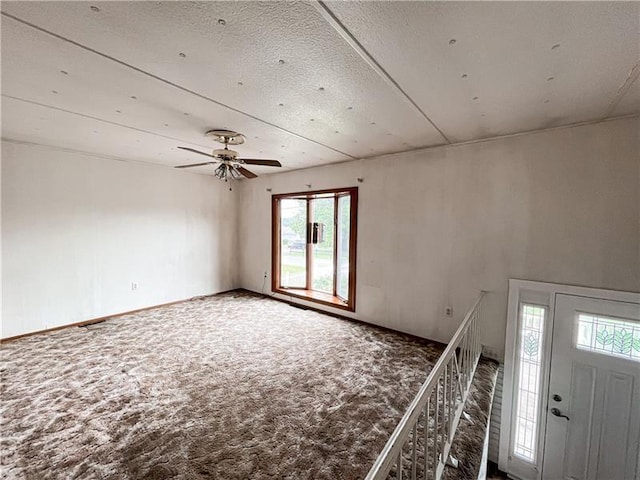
{"x":195,"y":165}
{"x":196,"y":151}
{"x":257,"y":161}
{"x":245,"y":172}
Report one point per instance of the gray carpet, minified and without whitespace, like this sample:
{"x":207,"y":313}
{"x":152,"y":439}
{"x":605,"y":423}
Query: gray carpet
{"x":234,"y":386}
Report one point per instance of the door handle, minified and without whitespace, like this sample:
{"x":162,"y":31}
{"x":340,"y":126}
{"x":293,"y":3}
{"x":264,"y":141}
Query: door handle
{"x":556,"y":412}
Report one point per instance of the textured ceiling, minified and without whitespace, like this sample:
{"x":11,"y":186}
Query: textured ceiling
{"x":309,"y":83}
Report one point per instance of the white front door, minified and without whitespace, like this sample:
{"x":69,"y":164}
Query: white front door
{"x":593,"y":410}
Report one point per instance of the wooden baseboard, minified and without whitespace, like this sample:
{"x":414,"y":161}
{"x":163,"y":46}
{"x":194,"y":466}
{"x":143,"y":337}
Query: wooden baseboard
{"x":115,"y":315}
{"x":296,"y":304}
{"x":240,"y":289}
{"x":337,"y":315}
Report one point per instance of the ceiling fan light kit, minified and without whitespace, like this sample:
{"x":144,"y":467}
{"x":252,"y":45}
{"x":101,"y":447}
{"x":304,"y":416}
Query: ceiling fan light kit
{"x":230,"y":165}
{"x":226,"y":172}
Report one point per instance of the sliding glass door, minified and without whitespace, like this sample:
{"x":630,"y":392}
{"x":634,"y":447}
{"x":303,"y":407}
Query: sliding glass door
{"x":293,"y":245}
{"x":322,"y":256}
{"x":343,"y":234}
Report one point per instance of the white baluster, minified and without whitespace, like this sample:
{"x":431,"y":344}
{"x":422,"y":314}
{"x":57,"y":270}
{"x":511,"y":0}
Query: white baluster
{"x":414,"y":450}
{"x":427,"y":415}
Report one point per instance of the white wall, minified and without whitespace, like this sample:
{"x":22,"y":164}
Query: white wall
{"x":77,"y":230}
{"x":0,"y":245}
{"x":437,"y":226}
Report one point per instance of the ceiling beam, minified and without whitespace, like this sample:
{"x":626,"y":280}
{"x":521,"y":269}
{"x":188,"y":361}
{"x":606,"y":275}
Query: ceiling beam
{"x":91,"y":154}
{"x":339,"y":27}
{"x":91,"y":117}
{"x":168,"y":82}
{"x":624,"y":88}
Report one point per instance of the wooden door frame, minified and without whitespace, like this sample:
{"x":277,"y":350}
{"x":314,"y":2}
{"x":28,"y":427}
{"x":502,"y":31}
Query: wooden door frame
{"x":543,"y":294}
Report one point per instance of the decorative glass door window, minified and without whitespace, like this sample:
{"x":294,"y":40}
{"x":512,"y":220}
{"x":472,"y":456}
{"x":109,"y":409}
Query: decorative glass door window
{"x":529,"y":364}
{"x":314,"y":239}
{"x":609,"y":336}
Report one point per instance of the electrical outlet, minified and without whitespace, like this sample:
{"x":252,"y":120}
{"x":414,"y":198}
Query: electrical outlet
{"x":134,"y":286}
{"x":448,"y":311}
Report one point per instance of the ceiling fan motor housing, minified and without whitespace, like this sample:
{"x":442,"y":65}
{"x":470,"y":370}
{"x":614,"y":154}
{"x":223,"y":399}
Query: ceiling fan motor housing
{"x":230,"y":166}
{"x":228,"y":137}
{"x":225,"y":154}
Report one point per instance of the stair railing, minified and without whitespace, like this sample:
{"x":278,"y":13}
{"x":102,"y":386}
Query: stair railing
{"x":419,"y":447}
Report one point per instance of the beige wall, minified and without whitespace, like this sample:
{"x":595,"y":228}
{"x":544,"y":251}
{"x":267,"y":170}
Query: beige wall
{"x":77,"y":230}
{"x":437,"y":226}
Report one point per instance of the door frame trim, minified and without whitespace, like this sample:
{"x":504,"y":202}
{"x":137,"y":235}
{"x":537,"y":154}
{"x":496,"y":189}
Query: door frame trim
{"x":541,"y":293}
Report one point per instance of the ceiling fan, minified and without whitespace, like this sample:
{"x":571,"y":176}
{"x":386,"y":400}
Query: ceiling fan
{"x":231,"y":166}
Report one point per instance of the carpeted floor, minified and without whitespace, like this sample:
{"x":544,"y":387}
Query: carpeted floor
{"x":234,"y":386}
{"x":470,"y":435}
{"x":468,"y":443}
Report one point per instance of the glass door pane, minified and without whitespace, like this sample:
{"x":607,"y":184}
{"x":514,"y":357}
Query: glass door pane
{"x":343,"y":235}
{"x":322,"y":266}
{"x":293,"y":243}
{"x":530,"y":364}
